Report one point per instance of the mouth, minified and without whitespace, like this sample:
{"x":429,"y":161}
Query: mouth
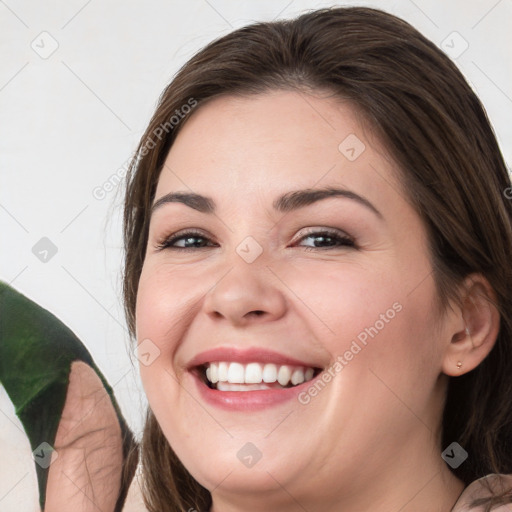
{"x":250,"y":379}
{"x":226,"y":376}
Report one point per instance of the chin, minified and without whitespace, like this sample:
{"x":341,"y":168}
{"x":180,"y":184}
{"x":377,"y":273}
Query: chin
{"x":235,"y":478}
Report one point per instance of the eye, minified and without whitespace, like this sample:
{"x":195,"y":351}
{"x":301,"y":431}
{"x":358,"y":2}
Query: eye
{"x":191,"y":240}
{"x":328,"y":239}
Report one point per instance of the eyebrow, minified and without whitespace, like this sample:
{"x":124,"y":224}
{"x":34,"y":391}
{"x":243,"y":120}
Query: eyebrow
{"x":290,"y":201}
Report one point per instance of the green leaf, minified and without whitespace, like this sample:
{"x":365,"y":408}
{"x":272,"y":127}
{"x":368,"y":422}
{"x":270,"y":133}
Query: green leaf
{"x":36,"y":352}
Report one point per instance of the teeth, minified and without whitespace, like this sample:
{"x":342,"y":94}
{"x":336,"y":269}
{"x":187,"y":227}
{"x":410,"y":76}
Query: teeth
{"x":297,"y":376}
{"x":269,"y":373}
{"x":252,"y":376}
{"x":283,"y":375}
{"x":223,"y":372}
{"x":253,"y":373}
{"x":214,"y":373}
{"x":223,"y":386}
{"x":236,"y":374}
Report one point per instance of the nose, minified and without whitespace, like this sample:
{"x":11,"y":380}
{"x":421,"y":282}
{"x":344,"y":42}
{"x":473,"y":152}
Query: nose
{"x":246,"y":294}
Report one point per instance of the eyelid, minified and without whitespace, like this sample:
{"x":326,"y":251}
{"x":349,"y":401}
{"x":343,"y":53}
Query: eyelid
{"x":167,"y":240}
{"x":323,"y":229}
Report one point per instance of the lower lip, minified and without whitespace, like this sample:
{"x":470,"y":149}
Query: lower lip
{"x":248,"y":400}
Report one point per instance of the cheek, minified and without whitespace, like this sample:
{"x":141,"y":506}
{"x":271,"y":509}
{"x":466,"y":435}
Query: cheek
{"x":158,"y":309}
{"x":381,"y":336}
{"x":378,"y":312}
{"x":163,"y":304}
{"x":342,"y":301}
{"x":167,"y":303}
{"x":400,"y":348}
{"x":154,"y":298}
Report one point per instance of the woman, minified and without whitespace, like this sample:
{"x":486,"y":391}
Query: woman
{"x":317,"y":234}
{"x":317,"y":270}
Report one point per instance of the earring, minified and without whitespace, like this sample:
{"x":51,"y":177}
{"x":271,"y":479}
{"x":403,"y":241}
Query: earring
{"x":459,"y":364}
{"x":467,"y":331}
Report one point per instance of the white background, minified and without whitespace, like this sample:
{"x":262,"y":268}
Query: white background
{"x":70,"y":121}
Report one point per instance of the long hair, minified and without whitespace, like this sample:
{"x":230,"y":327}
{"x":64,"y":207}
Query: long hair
{"x":436,"y":130}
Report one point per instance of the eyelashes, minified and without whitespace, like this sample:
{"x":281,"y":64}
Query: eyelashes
{"x":167,"y":243}
{"x":326,"y":236}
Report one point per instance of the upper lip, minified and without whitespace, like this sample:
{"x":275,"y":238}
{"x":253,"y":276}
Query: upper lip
{"x":247,"y":355}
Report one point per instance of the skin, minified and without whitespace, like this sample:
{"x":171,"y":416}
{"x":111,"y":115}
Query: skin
{"x":86,"y":473}
{"x":370,"y":439}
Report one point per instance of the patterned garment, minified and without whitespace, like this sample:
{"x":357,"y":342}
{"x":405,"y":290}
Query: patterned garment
{"x":479,"y":489}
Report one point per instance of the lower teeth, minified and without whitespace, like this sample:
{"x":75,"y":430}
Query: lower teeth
{"x":226,"y":386}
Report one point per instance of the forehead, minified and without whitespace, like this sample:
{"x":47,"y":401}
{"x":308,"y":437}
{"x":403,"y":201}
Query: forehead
{"x":239,"y":147}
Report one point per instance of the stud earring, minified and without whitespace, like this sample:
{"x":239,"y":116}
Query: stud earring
{"x":459,"y":364}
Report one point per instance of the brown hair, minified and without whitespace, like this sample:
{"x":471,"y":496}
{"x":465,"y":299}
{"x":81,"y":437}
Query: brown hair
{"x":437,"y":132}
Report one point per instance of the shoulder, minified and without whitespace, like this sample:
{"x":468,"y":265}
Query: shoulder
{"x":482,"y":488}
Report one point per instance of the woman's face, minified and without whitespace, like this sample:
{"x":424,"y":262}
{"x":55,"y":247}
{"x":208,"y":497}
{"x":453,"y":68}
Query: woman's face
{"x":276,"y":284}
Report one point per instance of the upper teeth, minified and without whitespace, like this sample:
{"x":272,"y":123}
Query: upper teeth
{"x":255,"y":373}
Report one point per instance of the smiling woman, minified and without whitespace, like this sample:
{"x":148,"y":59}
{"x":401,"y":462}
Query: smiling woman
{"x":335,"y":167}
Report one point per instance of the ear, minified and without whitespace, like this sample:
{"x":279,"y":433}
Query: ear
{"x":475,"y":330}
